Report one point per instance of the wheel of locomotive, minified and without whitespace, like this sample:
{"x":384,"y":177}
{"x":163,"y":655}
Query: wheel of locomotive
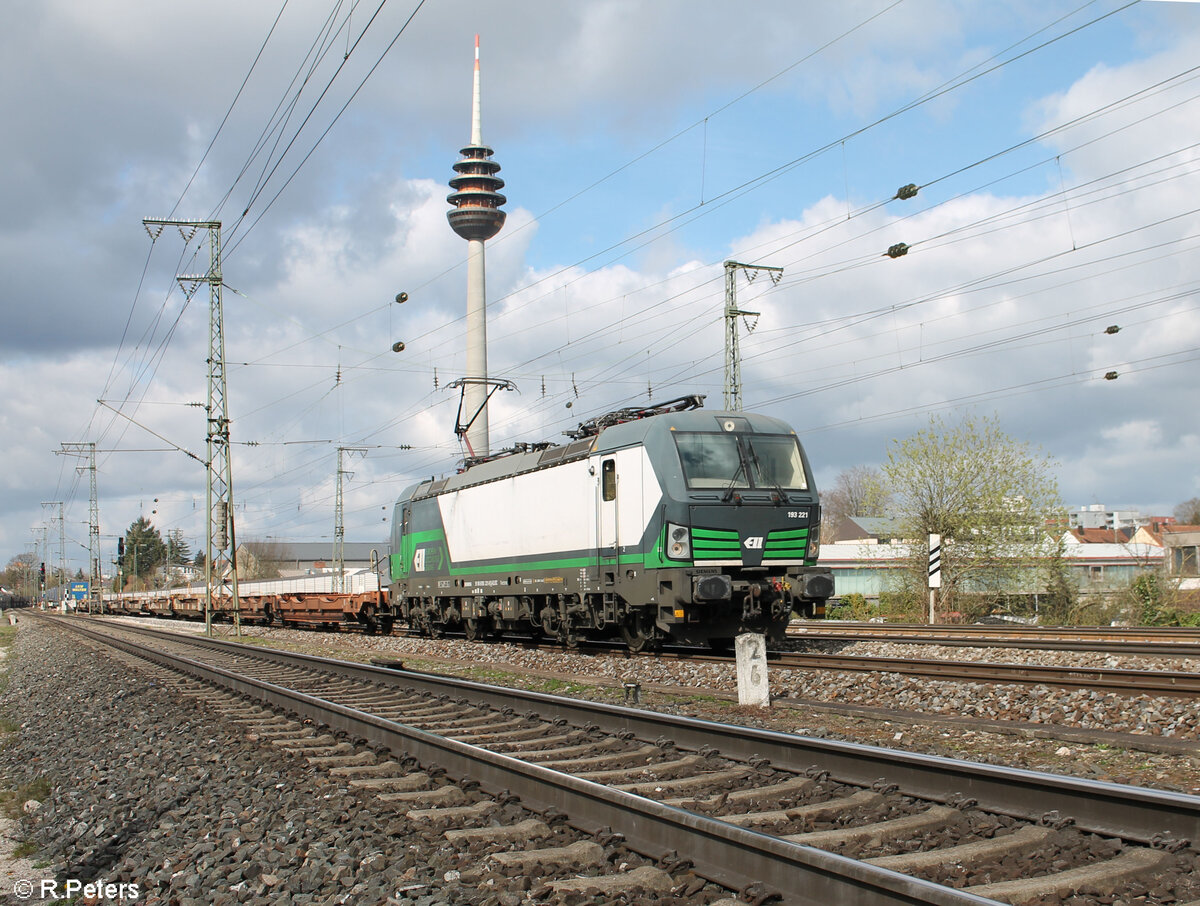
{"x":640,"y":632}
{"x":549,"y":621}
{"x":472,"y":630}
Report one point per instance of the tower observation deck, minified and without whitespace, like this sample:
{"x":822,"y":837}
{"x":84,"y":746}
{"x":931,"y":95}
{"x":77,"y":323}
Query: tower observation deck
{"x":476,"y":199}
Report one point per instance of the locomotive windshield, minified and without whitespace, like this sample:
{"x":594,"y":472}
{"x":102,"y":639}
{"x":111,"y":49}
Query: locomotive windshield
{"x":730,"y":461}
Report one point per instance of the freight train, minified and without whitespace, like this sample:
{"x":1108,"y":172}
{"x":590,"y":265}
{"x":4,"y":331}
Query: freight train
{"x":668,"y":523}
{"x":652,"y":525}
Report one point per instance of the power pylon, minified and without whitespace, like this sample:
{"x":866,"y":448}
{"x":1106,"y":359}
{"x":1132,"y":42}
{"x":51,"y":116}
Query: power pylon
{"x":62,"y":545}
{"x":339,"y":523}
{"x":89,"y":450}
{"x":733,"y":354}
{"x":220,"y":562}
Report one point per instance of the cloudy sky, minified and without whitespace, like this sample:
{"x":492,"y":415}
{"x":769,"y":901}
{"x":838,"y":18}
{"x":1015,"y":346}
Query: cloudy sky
{"x":1056,"y":146}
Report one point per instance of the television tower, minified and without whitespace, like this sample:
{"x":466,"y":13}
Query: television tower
{"x":476,"y":217}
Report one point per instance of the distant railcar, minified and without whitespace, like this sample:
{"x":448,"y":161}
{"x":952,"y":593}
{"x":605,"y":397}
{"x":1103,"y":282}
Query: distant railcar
{"x":664,"y":524}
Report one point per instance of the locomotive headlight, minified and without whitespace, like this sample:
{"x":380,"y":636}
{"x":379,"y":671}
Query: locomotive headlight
{"x":814,"y":542}
{"x":679,"y":542}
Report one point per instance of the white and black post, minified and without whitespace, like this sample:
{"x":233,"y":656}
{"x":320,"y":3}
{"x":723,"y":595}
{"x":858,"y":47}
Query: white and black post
{"x":935,"y":574}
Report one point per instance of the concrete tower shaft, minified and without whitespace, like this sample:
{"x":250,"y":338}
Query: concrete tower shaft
{"x":476,"y":217}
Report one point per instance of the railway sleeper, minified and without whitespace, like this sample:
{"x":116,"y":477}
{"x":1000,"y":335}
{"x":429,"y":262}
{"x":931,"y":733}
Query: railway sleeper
{"x":815,"y":811}
{"x":583,"y":854}
{"x":529,"y":829}
{"x":647,"y":878}
{"x":697,"y":781}
{"x":382,"y":769}
{"x":316,"y":751}
{"x":874,"y":835}
{"x":1133,"y":864}
{"x":1023,"y":840}
{"x":796,"y":786}
{"x":453,"y":814}
{"x":533,"y":754}
{"x":573,"y":765}
{"x":445,"y":796}
{"x":635,"y":773}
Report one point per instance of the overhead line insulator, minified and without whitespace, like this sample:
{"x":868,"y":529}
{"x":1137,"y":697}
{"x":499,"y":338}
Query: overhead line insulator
{"x":899,"y":250}
{"x":904,"y":193}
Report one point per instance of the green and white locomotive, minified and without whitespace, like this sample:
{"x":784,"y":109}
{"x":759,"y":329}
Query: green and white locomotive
{"x":660,"y":524}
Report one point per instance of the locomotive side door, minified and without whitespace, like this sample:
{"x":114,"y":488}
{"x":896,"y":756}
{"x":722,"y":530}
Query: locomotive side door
{"x":607,"y":513}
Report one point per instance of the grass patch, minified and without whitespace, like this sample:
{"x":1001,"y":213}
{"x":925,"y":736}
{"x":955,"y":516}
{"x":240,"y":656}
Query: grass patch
{"x":8,"y":632}
{"x":24,"y":849}
{"x":13,"y":801}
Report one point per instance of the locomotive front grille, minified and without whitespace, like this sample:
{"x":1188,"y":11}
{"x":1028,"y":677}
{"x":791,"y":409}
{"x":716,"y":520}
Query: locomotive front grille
{"x":786,"y":544}
{"x":715,"y":544}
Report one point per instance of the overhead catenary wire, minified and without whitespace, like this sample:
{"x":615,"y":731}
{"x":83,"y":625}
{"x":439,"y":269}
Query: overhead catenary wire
{"x":696,"y":324}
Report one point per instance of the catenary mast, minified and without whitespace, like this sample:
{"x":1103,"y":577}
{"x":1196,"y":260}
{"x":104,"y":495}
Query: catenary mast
{"x":476,"y":217}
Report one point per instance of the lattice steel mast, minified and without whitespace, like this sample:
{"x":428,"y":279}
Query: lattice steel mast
{"x":339,"y":523}
{"x":89,"y":450}
{"x":733,"y":354}
{"x":220,"y":561}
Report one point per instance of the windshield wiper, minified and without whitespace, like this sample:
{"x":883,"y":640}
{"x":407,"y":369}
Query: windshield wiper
{"x":779,"y":495}
{"x":741,"y":470}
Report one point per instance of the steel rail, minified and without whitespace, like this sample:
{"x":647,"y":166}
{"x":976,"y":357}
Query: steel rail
{"x":1109,"y":679}
{"x":1165,"y":641}
{"x":724,"y":853}
{"x":1132,"y":813}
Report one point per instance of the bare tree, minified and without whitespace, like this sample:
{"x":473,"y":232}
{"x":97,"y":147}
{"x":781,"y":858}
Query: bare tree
{"x":263,"y":560}
{"x":858,"y":491}
{"x":1188,"y":512}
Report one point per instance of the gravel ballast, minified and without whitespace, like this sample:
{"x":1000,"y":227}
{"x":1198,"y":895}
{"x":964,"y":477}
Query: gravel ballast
{"x":148,"y":788}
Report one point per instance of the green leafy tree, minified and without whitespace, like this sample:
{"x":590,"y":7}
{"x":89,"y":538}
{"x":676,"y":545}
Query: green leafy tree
{"x":989,"y":497}
{"x":1060,"y":602}
{"x":144,"y":549}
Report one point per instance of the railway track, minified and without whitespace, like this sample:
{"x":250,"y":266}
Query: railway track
{"x":813,"y":821}
{"x":1164,"y":640}
{"x":1102,"y":679}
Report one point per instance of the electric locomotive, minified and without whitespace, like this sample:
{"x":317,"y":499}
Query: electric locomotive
{"x":660,"y":524}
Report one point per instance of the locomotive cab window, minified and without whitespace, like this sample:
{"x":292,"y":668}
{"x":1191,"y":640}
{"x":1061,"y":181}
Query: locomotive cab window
{"x":730,"y":461}
{"x":608,"y":472}
{"x":775,"y":462}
